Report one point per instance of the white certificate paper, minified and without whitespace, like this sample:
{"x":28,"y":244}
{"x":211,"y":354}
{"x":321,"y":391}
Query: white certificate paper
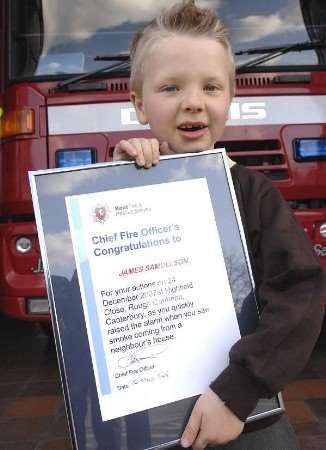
{"x":158,"y":307}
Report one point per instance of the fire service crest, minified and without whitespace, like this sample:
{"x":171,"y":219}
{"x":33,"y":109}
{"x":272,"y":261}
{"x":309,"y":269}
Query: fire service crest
{"x":101,"y":213}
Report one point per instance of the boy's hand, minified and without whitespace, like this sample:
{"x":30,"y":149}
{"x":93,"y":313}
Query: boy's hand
{"x":210,"y":423}
{"x":145,"y":152}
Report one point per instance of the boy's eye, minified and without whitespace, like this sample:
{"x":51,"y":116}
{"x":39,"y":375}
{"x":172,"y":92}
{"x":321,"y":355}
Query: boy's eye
{"x":211,"y":87}
{"x":170,"y":88}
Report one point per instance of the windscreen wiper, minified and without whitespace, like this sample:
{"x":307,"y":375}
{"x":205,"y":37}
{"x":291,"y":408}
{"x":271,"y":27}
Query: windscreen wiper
{"x":274,"y":52}
{"x":122,"y":65}
{"x":122,"y":56}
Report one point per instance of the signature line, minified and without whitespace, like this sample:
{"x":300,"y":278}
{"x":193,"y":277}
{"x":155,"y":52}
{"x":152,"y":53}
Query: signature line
{"x":144,"y":353}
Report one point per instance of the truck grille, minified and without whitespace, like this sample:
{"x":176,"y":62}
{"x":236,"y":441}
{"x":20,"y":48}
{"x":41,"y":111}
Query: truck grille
{"x":244,"y":81}
{"x":265,"y":156}
{"x":119,"y":86}
{"x":307,"y":203}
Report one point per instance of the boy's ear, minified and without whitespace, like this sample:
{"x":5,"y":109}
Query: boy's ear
{"x":139,"y":107}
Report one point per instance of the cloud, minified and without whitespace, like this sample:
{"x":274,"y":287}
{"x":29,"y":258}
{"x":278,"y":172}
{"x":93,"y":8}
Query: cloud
{"x":180,"y":173}
{"x":81,"y":19}
{"x":57,"y":245}
{"x":255,"y":27}
{"x":65,"y":183}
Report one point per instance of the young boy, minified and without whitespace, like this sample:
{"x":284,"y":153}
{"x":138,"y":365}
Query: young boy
{"x":182,"y":84}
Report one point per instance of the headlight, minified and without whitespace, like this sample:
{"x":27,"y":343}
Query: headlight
{"x":310,"y":149}
{"x":322,"y":230}
{"x":24,"y":244}
{"x":75,"y":157}
{"x":38,"y":306}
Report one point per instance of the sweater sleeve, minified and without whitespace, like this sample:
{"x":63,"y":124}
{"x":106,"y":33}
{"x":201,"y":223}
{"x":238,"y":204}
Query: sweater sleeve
{"x":290,"y":285}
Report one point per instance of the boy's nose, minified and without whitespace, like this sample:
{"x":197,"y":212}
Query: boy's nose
{"x":193,"y":102}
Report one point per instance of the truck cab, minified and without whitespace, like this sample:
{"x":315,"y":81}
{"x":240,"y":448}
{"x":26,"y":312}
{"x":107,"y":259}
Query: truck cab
{"x":64,"y":81}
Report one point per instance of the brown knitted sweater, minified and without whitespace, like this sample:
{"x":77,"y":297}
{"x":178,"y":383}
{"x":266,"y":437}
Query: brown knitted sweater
{"x":290,"y":286}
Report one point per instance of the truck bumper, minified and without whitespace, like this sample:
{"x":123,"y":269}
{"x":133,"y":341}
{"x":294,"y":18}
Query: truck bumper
{"x":22,"y":285}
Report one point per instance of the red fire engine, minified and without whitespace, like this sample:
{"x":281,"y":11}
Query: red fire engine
{"x":64,"y":103}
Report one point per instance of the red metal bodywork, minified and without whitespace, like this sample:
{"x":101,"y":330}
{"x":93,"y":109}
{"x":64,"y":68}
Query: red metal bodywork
{"x":20,"y":277}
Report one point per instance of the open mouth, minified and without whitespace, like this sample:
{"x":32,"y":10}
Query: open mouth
{"x":192,"y":127}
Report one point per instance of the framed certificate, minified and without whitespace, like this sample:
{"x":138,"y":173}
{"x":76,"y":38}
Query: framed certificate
{"x":149,"y":285}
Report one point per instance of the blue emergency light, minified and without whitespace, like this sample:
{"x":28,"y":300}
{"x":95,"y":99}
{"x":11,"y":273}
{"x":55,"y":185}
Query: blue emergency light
{"x":313,"y":149}
{"x":75,"y":157}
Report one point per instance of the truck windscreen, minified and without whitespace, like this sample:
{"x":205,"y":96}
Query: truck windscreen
{"x":57,"y":39}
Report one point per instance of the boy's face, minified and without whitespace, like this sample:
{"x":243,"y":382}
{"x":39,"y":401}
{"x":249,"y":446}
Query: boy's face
{"x":186,"y":92}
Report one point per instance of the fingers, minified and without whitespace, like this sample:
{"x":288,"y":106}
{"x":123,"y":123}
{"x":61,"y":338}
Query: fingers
{"x":201,"y":442}
{"x":145,"y":152}
{"x":192,"y":428}
{"x":165,"y":149}
{"x":124,"y":150}
{"x":211,"y":423}
{"x":148,"y":153}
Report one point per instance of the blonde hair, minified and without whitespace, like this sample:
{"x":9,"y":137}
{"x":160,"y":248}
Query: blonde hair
{"x":184,"y":18}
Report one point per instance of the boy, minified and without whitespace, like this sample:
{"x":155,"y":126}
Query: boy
{"x":182,"y":84}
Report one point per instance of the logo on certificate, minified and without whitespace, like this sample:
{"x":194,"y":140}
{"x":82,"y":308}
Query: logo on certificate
{"x":101,"y":213}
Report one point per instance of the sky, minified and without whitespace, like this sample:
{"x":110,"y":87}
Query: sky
{"x":248,"y":19}
{"x":106,"y":26}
